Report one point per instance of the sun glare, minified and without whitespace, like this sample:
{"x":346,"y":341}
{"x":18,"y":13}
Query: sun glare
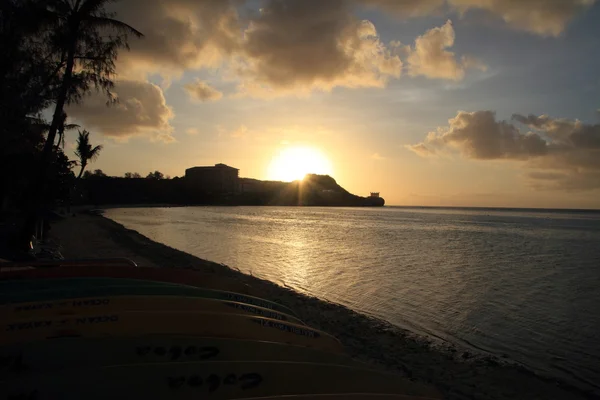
{"x":295,"y":162}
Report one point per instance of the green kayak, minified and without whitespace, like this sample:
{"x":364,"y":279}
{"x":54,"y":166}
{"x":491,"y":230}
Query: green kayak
{"x":153,"y":289}
{"x":12,"y":286}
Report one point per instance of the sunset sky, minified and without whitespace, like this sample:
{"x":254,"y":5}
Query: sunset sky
{"x":430,"y":102}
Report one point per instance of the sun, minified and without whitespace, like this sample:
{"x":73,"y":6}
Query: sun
{"x":295,"y":162}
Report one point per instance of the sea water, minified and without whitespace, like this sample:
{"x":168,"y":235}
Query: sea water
{"x":519,"y":284}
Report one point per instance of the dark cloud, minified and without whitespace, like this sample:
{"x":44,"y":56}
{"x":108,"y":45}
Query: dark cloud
{"x":479,"y":136}
{"x":179,"y":34}
{"x":141,"y":110}
{"x":312,"y":44}
{"x":202,"y":91}
{"x":183,"y":34}
{"x":559,"y":152}
{"x":564,"y":131}
{"x":289,"y":45}
{"x":406,"y":8}
{"x":543,"y":17}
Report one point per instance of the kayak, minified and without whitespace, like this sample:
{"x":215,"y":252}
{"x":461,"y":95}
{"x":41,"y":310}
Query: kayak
{"x":75,"y":353}
{"x":170,"y":275}
{"x":219,"y":380}
{"x":111,"y":304}
{"x":122,"y":324}
{"x":334,"y":396}
{"x":95,"y":330}
{"x":150,"y":289}
{"x":12,"y":286}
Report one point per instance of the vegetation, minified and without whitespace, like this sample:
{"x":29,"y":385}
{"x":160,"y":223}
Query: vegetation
{"x":85,"y":151}
{"x":155,"y":175}
{"x":54,"y":53}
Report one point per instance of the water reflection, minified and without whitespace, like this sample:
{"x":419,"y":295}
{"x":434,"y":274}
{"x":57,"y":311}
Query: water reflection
{"x":517,"y":283}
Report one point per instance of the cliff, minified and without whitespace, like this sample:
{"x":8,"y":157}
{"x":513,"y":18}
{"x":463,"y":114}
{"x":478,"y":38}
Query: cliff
{"x":313,"y":190}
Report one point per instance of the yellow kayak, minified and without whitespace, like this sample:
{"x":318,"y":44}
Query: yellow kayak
{"x":344,"y":396}
{"x":75,"y":353}
{"x":214,"y":380}
{"x":118,"y":324}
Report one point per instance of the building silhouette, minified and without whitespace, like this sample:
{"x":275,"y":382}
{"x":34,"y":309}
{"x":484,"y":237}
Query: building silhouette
{"x":219,"y":178}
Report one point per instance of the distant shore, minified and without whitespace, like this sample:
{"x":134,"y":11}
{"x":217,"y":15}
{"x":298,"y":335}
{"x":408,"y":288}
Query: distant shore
{"x":456,"y":373}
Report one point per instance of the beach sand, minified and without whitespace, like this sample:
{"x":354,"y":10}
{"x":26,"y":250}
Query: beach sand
{"x":455,"y":373}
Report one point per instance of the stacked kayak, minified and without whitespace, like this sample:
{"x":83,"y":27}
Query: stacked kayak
{"x":99,"y":330}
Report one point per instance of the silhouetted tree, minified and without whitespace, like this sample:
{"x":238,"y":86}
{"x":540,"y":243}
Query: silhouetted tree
{"x":62,"y":127}
{"x":61,"y":178}
{"x":29,"y":75}
{"x":155,"y":175}
{"x":97,"y":173}
{"x":132,"y":175}
{"x":80,"y":34}
{"x":86,"y":39}
{"x":85,"y":151}
{"x":28,"y":85}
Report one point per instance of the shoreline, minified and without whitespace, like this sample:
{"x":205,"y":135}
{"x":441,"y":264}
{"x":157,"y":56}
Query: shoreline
{"x":457,"y":374}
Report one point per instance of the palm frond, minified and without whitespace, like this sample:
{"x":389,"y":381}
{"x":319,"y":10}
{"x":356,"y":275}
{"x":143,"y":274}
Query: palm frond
{"x":122,"y":27}
{"x":92,"y":6}
{"x":95,"y":152}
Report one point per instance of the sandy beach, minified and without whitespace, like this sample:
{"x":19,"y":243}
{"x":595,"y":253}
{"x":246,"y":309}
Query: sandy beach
{"x":454,"y":372}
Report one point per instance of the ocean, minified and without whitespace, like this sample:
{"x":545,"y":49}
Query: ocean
{"x":523,"y":285}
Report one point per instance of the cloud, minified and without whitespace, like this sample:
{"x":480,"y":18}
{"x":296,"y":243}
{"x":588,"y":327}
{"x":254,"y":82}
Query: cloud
{"x":572,"y":133}
{"x":560,"y":153}
{"x":421,"y":149}
{"x":178,"y":35}
{"x":377,"y":156}
{"x":304,"y":45}
{"x":338,"y":49}
{"x":479,"y":136}
{"x":192,"y":131}
{"x":431,"y":58}
{"x":406,"y":8}
{"x":141,"y":111}
{"x":240,"y":132}
{"x":543,"y":17}
{"x":202,"y":91}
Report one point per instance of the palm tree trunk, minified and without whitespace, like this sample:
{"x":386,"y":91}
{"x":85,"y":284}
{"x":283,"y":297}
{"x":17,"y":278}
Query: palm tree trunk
{"x":60,"y":104}
{"x":37,"y":193}
{"x":81,"y":171}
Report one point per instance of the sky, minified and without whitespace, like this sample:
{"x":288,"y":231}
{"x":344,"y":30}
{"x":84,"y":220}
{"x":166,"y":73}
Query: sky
{"x":492,"y":103}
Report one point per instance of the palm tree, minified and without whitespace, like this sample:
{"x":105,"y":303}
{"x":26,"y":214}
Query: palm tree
{"x":80,"y":35}
{"x":85,"y":151}
{"x":62,"y":127}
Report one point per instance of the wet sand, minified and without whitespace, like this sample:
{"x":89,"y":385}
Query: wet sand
{"x":456,"y":373}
